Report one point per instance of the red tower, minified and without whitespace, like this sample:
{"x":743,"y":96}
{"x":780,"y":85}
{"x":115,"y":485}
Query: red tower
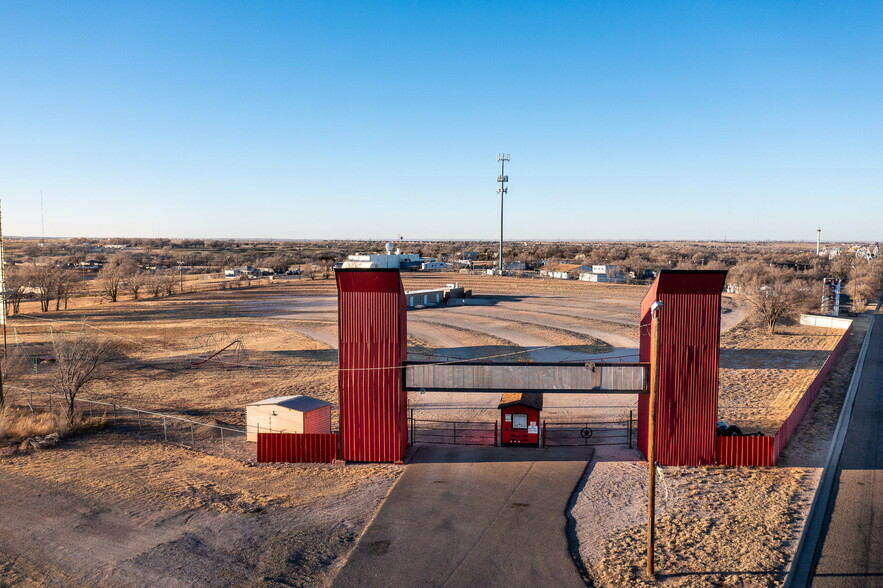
{"x":689,"y":346}
{"x":373,"y":334}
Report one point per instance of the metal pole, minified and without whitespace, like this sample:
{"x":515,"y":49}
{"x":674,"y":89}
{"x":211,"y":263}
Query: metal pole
{"x":502,"y":193}
{"x":223,"y":449}
{"x":192,"y":440}
{"x":455,"y":432}
{"x":502,"y":180}
{"x":630,"y":430}
{"x":651,"y":441}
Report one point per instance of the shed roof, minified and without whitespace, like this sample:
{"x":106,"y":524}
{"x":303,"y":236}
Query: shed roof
{"x":299,"y":403}
{"x":531,"y":399}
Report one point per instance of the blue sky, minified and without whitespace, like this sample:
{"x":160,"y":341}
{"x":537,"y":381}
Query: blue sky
{"x":625,"y":120}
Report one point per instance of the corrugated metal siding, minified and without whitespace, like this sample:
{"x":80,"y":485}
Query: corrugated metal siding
{"x":688,"y":366}
{"x":296,"y":448}
{"x":318,"y":421}
{"x":764,"y":451}
{"x":372,"y":331}
{"x":746,"y":451}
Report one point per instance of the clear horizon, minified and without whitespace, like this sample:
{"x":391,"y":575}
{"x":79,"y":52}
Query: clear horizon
{"x":626,"y":122}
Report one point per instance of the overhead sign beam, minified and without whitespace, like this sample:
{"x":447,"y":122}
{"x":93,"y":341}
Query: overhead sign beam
{"x":583,"y":378}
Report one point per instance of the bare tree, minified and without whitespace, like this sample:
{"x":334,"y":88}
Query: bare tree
{"x":326,"y":259}
{"x":66,"y":283}
{"x":13,"y":365}
{"x":137,"y":280}
{"x":169,"y":281}
{"x":113,"y":275}
{"x":16,"y":282}
{"x":775,"y":294}
{"x":154,"y":284}
{"x":79,"y":360}
{"x":43,"y":278}
{"x":311,"y":270}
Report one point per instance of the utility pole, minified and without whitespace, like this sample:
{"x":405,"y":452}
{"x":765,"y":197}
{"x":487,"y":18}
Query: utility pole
{"x":2,"y":287}
{"x":2,"y":315}
{"x":651,"y":436}
{"x":502,"y":179}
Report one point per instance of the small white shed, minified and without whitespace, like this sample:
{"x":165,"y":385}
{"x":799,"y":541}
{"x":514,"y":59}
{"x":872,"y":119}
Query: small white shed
{"x":287,"y":414}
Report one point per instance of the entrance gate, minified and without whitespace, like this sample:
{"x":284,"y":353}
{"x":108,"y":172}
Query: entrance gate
{"x":374,"y":375}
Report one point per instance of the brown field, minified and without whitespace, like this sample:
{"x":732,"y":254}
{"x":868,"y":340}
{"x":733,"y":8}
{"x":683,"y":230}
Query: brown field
{"x":124,"y":509}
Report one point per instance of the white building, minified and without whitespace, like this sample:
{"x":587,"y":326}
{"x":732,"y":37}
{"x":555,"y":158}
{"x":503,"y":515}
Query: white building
{"x":392,"y":258}
{"x":287,"y":414}
{"x":564,"y":271}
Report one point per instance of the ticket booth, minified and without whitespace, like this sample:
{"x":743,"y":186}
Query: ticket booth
{"x":520,"y":415}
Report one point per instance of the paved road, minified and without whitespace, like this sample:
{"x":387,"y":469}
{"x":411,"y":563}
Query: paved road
{"x":851,"y":552}
{"x":473,"y":516}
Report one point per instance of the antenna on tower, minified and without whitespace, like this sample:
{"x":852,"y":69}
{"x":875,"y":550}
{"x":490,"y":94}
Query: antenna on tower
{"x":503,"y":179}
{"x":42,"y":221}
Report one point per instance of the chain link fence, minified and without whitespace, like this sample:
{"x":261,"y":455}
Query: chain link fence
{"x":211,"y":438}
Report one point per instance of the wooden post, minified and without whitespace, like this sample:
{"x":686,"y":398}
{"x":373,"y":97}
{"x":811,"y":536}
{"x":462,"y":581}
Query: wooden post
{"x":651,"y":440}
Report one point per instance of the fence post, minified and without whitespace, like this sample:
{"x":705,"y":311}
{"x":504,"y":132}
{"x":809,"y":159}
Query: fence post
{"x":455,"y":432}
{"x":138,"y":416}
{"x":165,"y":432}
{"x":630,"y":430}
{"x":495,"y":433}
{"x":543,"y":440}
{"x":223,"y":452}
{"x":192,"y":440}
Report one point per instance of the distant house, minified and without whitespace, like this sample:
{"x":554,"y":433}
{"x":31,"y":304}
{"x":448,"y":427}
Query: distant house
{"x":564,"y":271}
{"x":433,"y":265}
{"x":604,"y":273}
{"x":469,"y":255}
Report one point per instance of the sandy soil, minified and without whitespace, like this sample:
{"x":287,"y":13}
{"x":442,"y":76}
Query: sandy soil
{"x":112,"y":510}
{"x":762,"y":376}
{"x":718,"y":526}
{"x":171,"y":505}
{"x":109,"y":510}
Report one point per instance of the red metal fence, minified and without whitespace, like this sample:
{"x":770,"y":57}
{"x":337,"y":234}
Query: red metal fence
{"x":297,"y":447}
{"x":764,"y":450}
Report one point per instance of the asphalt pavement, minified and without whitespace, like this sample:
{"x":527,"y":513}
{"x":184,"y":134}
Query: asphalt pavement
{"x":474,"y":516}
{"x":851,"y":550}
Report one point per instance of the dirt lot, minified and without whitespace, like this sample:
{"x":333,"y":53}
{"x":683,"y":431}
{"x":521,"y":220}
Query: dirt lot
{"x":721,"y":526}
{"x":113,"y":510}
{"x":107,"y":509}
{"x":110,"y":510}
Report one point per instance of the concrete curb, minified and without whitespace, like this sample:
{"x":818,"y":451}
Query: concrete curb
{"x":804,"y":557}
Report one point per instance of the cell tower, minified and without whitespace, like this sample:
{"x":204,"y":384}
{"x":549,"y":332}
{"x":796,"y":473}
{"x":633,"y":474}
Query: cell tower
{"x":42,"y":221}
{"x":818,"y":241}
{"x":502,"y":179}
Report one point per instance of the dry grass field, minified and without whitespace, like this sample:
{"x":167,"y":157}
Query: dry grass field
{"x":108,"y":509}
